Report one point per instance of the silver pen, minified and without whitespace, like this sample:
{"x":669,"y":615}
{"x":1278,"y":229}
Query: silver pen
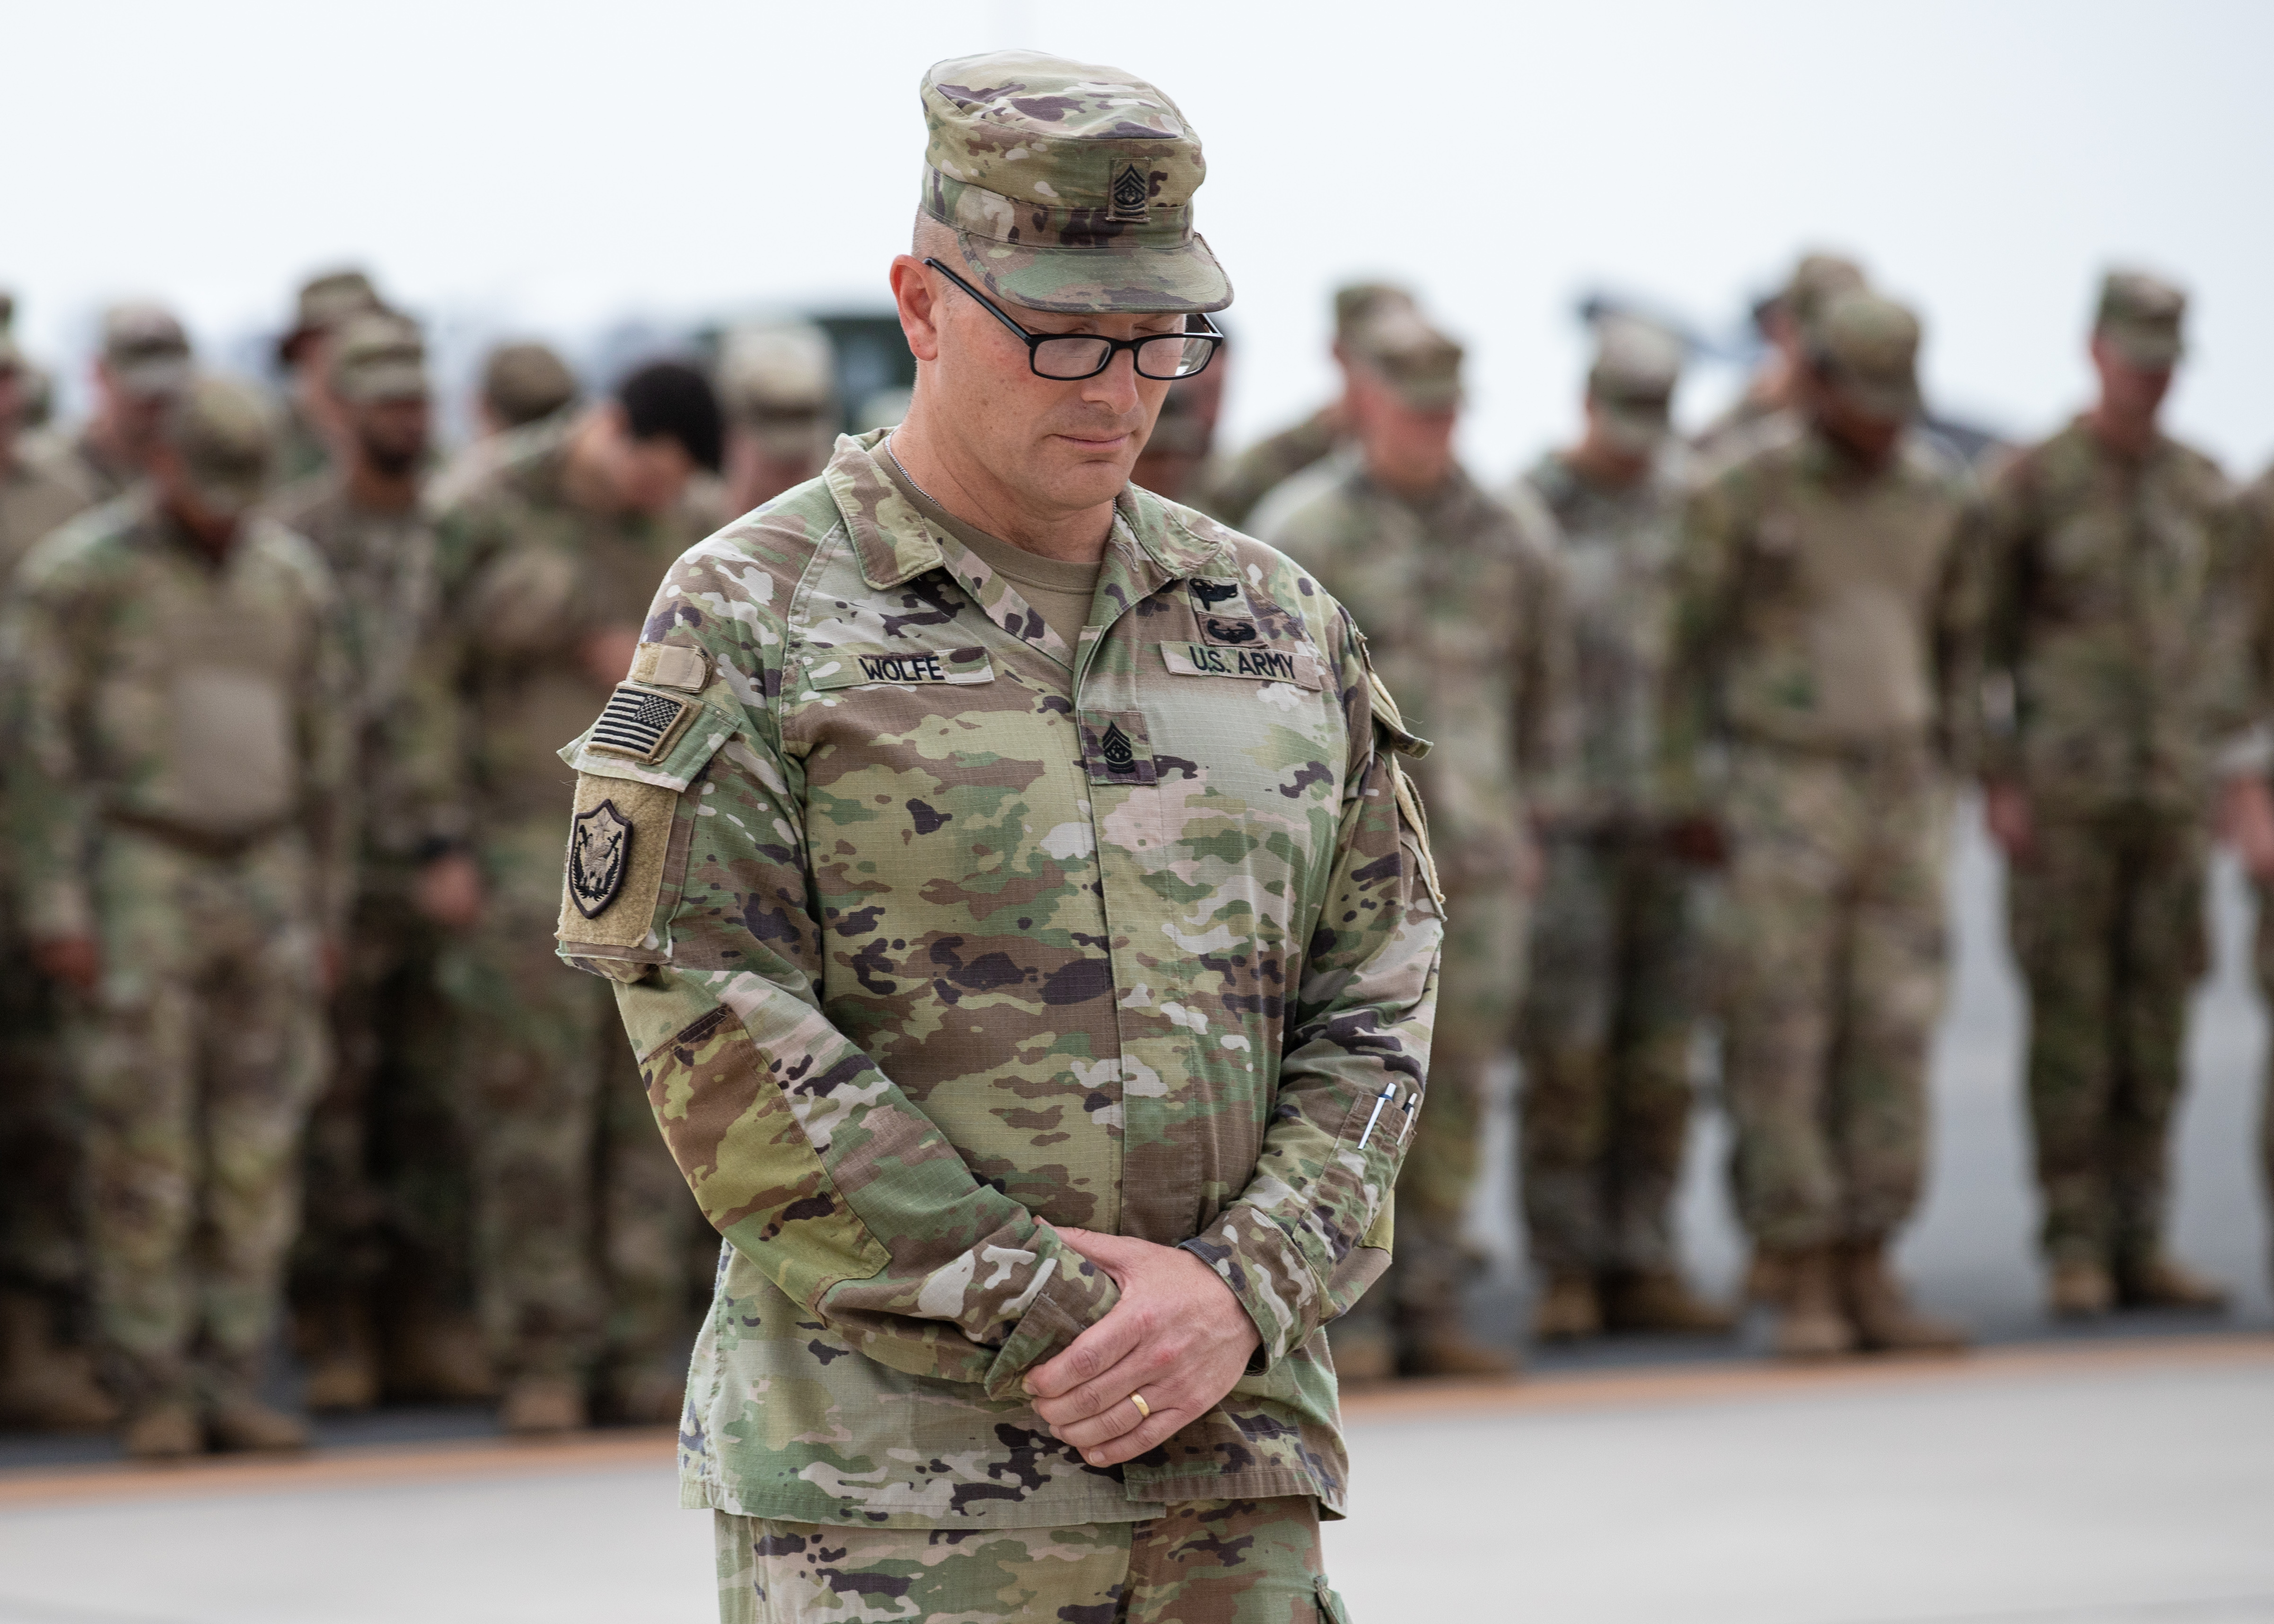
{"x":1380,"y":1100}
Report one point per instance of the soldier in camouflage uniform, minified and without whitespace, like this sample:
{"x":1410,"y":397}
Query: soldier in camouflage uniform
{"x":1461,"y":601}
{"x":1231,"y":490}
{"x":1177,"y":460}
{"x":779,"y":386}
{"x":1778,"y":390}
{"x":311,"y":425}
{"x":1825,"y":628}
{"x":2117,"y":587}
{"x":386,"y":1093}
{"x":1606,"y":1032}
{"x":544,"y":566}
{"x":522,"y":385}
{"x":180,"y":810}
{"x":143,"y":362}
{"x":1031,"y":978}
{"x":2248,"y":815}
{"x":45,"y":1380}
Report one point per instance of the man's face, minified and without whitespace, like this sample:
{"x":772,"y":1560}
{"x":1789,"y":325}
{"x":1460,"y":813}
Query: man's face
{"x":650,"y":475}
{"x":135,"y":416}
{"x":759,"y":468}
{"x":2131,"y":392}
{"x":1870,"y":434}
{"x":213,"y":521}
{"x":392,"y":435}
{"x":1063,"y":446}
{"x":1407,"y":448}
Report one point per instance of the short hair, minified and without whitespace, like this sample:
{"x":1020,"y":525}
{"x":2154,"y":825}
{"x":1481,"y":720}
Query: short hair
{"x":670,"y":398}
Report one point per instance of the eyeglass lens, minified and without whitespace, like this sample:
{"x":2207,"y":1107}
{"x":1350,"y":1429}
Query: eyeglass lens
{"x":1081,"y":355}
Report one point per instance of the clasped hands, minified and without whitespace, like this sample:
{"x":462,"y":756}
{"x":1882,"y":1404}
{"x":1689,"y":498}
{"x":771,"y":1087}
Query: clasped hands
{"x":1178,"y":1340}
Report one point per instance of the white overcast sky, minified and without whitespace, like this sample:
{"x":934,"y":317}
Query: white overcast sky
{"x":552,"y":167}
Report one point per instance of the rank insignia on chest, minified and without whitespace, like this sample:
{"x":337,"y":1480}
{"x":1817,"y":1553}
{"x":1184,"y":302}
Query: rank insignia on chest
{"x":599,"y":855}
{"x":639,"y":724}
{"x":1117,"y":749}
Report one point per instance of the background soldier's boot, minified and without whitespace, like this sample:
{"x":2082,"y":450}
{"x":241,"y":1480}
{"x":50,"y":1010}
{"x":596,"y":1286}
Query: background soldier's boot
{"x":2165,"y":1282}
{"x":236,"y":1420}
{"x":1568,"y":1309}
{"x":1439,"y":1344}
{"x":543,"y":1404}
{"x":1809,"y":1323}
{"x":2080,"y":1289}
{"x":162,"y":1430}
{"x":1765,"y":1277}
{"x":1660,"y":1301}
{"x":44,"y":1384}
{"x":1883,"y":1316}
{"x":341,"y":1350}
{"x":439,"y":1356}
{"x":647,"y":1395}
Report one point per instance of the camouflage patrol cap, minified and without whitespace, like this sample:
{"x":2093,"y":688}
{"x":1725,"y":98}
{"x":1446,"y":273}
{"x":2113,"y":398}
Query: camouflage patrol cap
{"x":1815,"y":281}
{"x":225,"y":430}
{"x":1420,"y":364}
{"x":1355,"y":301}
{"x":378,"y":358}
{"x":145,"y":349}
{"x":1070,"y":187}
{"x":2141,"y":315}
{"x":324,"y":302}
{"x":779,"y":382}
{"x":1867,"y":347}
{"x":524,"y":382}
{"x":1637,"y":364}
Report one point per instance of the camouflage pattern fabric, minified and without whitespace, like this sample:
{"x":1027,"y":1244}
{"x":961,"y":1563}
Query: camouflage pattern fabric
{"x":1462,"y":607}
{"x":2119,"y":619}
{"x":2257,"y":513}
{"x":1228,"y":489}
{"x":527,"y":575}
{"x":933,"y":933}
{"x":1827,"y":637}
{"x":181,"y":802}
{"x":1250,"y":1562}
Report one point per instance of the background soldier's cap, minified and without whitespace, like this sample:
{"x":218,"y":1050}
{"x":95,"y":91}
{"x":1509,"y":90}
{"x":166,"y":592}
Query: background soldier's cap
{"x":1356,"y":301}
{"x":779,"y":382}
{"x":1637,"y":364}
{"x":145,"y":349}
{"x":1070,"y":187}
{"x":526,"y":382}
{"x":2141,"y":315}
{"x":380,"y":358}
{"x":325,"y":302}
{"x":1420,"y":364}
{"x":1868,"y":347}
{"x":1815,"y":281}
{"x":226,"y":432}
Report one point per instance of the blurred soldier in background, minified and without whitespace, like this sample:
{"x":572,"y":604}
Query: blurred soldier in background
{"x":777,"y":384}
{"x":1826,"y":624}
{"x":1458,"y":597}
{"x":311,"y":426}
{"x":46,"y":1381}
{"x":546,"y":566}
{"x":1605,"y":1035}
{"x":1231,"y":491}
{"x":1779,"y":388}
{"x":181,"y":802}
{"x":143,"y":363}
{"x":1175,"y":461}
{"x":2248,"y":814}
{"x":363,"y":513}
{"x":2117,"y":598}
{"x":522,"y":385}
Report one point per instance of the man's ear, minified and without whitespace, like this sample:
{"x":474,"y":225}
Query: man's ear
{"x":917,"y":297}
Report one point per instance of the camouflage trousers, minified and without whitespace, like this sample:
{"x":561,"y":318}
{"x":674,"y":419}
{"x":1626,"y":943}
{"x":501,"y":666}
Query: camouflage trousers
{"x":587,"y":1243}
{"x":41,"y":1245}
{"x":1605,"y":1041}
{"x":197,"y":1057}
{"x":1480,"y":984}
{"x":2107,"y":921}
{"x":1828,"y":961}
{"x":2264,"y":959}
{"x":1254,"y":1561}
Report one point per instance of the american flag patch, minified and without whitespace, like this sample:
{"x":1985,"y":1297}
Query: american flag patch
{"x":639,"y":724}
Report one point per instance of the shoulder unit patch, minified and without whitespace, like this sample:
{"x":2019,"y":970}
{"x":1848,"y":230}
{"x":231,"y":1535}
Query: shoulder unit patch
{"x":599,"y":856}
{"x":639,"y":724}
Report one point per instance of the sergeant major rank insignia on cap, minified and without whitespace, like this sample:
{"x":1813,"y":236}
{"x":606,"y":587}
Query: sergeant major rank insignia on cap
{"x":639,"y":724}
{"x":1131,"y":192}
{"x":599,"y":855}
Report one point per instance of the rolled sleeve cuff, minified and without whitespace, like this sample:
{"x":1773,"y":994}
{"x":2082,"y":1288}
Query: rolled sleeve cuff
{"x":1268,"y":1272}
{"x":1078,"y":1296}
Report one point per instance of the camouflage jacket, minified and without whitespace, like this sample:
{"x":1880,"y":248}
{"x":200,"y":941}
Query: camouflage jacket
{"x":1616,"y":551}
{"x":382,"y":567}
{"x":40,"y":485}
{"x":1230,"y":487}
{"x":2117,"y":615}
{"x":1461,"y":603}
{"x":527,"y":576}
{"x":196,"y":701}
{"x":2256,"y":536}
{"x":1822,"y":607}
{"x":932,"y":933}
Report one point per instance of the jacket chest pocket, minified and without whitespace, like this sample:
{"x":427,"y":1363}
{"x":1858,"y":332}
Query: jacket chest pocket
{"x":1261,"y":725}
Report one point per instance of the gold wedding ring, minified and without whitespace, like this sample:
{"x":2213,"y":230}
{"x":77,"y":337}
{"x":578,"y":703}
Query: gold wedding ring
{"x":1144,"y":1410}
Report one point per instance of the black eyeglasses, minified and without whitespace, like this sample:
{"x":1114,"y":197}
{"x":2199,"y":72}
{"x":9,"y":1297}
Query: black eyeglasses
{"x":1068,"y":357}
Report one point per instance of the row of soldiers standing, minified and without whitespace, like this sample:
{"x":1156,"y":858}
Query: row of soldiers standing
{"x":283,"y":694}
{"x":1699,"y":714}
